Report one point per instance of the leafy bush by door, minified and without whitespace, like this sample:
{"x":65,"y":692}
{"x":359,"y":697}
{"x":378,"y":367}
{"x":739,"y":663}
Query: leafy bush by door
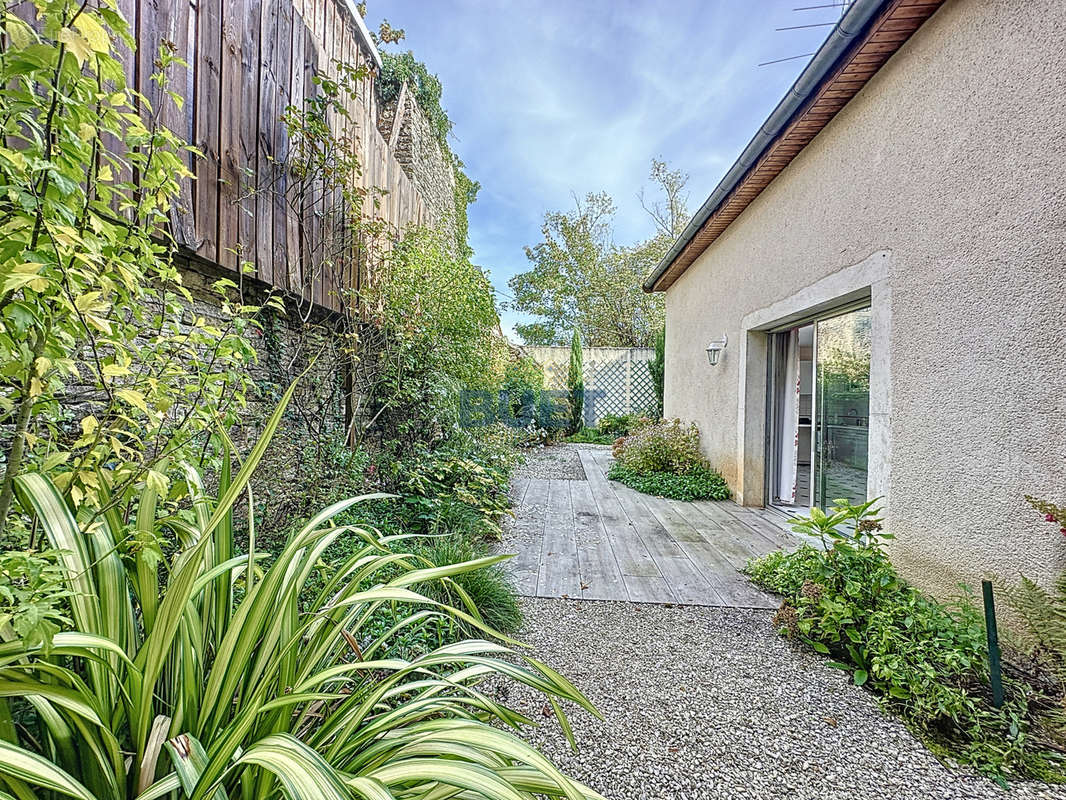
{"x":664,"y":458}
{"x":927,"y":661}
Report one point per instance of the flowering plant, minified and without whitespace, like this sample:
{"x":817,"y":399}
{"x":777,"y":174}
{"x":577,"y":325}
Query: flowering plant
{"x":1051,"y":512}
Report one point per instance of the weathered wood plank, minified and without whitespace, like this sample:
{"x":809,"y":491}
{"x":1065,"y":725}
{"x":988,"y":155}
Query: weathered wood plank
{"x":630,"y":551}
{"x":207,"y":108}
{"x":266,"y":129}
{"x":247,"y":169}
{"x":524,"y":568}
{"x":762,"y":529}
{"x":712,"y":510}
{"x":750,"y":539}
{"x":309,"y":222}
{"x":115,"y":152}
{"x":247,"y":61}
{"x":297,"y":72}
{"x":601,"y":578}
{"x":559,"y":574}
{"x":230,"y":109}
{"x":736,"y":552}
{"x":281,"y":65}
{"x":691,"y":583}
{"x":644,"y":589}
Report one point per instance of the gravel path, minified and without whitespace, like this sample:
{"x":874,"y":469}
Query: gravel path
{"x":560,"y":461}
{"x":711,"y":703}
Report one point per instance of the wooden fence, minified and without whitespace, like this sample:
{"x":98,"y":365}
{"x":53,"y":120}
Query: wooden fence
{"x":249,"y":60}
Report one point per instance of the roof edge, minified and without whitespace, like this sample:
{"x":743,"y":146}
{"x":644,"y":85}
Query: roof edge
{"x":838,"y":46}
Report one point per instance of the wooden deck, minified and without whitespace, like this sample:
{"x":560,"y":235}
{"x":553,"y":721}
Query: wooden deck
{"x":599,"y":540}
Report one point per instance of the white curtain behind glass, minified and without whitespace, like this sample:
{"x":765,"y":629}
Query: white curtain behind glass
{"x":789,"y":441}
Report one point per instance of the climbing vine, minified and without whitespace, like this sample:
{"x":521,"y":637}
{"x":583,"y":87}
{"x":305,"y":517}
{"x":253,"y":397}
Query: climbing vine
{"x":104,"y":357}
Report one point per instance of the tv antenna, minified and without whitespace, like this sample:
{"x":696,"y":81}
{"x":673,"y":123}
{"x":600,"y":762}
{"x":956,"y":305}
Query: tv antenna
{"x":841,"y":7}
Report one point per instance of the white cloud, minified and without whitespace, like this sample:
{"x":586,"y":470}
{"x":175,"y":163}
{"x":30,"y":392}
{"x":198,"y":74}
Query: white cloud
{"x":559,"y":97}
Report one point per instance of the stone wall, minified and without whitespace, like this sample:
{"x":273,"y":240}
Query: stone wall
{"x":413,"y":144}
{"x":305,"y":342}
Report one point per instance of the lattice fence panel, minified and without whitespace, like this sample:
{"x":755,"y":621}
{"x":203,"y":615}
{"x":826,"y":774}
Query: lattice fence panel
{"x":617,"y":379}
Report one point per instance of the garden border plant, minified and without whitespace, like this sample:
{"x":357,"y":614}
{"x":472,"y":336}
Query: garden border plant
{"x":663,"y":458}
{"x":99,"y":364}
{"x":927,"y":661}
{"x":216,"y":683}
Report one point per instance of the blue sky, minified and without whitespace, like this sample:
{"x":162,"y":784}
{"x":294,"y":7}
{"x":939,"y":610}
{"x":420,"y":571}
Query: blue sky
{"x":557,"y":97}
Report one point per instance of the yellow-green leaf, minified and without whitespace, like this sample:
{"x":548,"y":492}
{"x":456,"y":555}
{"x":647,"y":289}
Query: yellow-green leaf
{"x":95,"y":33}
{"x":134,"y":398}
{"x":76,"y":44}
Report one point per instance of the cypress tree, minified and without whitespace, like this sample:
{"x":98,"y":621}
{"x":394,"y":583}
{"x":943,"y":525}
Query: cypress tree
{"x":657,"y":368}
{"x":575,"y":383}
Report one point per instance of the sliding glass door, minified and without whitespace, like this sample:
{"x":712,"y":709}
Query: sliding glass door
{"x":842,"y":415}
{"x":819,"y":411}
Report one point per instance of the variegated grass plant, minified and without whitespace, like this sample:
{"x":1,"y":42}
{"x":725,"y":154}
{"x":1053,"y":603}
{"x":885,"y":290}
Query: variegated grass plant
{"x":204,"y":678}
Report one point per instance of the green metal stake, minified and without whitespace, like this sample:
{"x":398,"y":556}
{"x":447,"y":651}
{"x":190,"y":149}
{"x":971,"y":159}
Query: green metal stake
{"x":995,"y":673}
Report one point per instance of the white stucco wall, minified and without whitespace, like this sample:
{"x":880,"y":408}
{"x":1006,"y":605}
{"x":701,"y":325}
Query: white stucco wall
{"x":949,"y":168}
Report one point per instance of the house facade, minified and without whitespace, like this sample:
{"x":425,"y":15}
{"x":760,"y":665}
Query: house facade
{"x":882,"y":281}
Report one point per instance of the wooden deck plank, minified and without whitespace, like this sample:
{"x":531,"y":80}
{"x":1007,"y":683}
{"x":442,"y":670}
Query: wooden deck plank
{"x":734,"y":589}
{"x":524,"y":568}
{"x":598,"y":569}
{"x":630,"y":552}
{"x":734,"y":551}
{"x":643,"y":589}
{"x":713,"y":510}
{"x":517,"y":490}
{"x":768,"y":530}
{"x":745,"y":536}
{"x":714,"y":574}
{"x":601,"y":577}
{"x":689,"y":583}
{"x":598,"y":540}
{"x":559,"y":575}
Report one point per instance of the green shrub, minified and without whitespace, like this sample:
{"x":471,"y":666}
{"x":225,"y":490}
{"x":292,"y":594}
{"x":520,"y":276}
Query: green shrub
{"x":590,"y":436}
{"x":1039,"y":634}
{"x":468,"y":469}
{"x":657,"y":368}
{"x":399,"y":67}
{"x":105,"y":360}
{"x":927,"y":661}
{"x":575,"y":385}
{"x":699,"y":483}
{"x":615,"y":425}
{"x":207,"y":678}
{"x":488,"y":589}
{"x":666,"y":446}
{"x":428,"y":333}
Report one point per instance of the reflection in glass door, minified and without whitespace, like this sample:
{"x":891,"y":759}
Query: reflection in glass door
{"x":842,"y":407}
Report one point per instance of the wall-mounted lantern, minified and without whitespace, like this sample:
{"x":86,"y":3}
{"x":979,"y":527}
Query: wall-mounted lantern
{"x":715,"y":348}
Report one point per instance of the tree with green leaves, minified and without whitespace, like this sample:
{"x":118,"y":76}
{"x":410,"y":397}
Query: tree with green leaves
{"x":580,"y":279}
{"x":575,"y":383}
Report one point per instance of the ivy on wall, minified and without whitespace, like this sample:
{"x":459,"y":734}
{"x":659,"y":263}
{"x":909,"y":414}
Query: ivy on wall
{"x":426,"y":88}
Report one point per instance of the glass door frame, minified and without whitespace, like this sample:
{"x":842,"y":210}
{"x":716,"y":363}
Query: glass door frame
{"x":771,"y":455}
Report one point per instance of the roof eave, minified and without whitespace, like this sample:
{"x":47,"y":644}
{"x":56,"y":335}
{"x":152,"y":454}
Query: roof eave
{"x":843,"y":44}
